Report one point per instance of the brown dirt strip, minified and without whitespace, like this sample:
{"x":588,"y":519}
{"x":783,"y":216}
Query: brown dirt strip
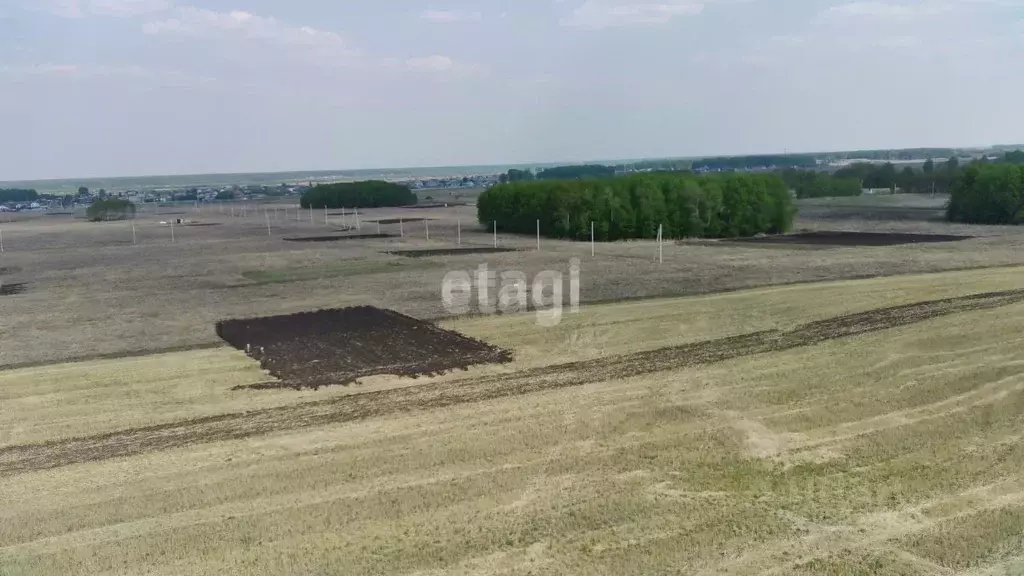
{"x":26,"y":458}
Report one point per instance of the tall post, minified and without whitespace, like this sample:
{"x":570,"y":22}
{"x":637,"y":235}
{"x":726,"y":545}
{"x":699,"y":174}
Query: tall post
{"x":378,"y":226}
{"x":401,"y":228}
{"x":268,"y":224}
{"x":426,"y":223}
{"x":355,"y":216}
{"x":495,"y":233}
{"x":133,"y":232}
{"x":1,"y":241}
{"x":325,"y":216}
{"x":310,"y":213}
{"x":538,"y":235}
{"x":661,"y":228}
{"x":342,"y":216}
{"x":458,"y":225}
{"x":172,"y":231}
{"x":591,"y":238}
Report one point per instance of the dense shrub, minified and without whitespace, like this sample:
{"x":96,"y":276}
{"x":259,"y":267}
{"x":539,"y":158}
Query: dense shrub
{"x":368,"y":194}
{"x":988,"y":194}
{"x":719,"y":206}
{"x":110,"y":209}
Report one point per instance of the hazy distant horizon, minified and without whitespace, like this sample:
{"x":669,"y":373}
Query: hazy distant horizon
{"x":293,"y":175}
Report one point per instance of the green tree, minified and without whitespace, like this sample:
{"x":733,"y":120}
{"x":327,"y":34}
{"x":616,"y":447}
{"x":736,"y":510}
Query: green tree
{"x":368,"y":194}
{"x":110,"y":209}
{"x":929,"y":166}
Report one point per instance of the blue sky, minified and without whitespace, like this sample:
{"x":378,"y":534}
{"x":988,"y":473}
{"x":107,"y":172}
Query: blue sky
{"x":133,"y":87}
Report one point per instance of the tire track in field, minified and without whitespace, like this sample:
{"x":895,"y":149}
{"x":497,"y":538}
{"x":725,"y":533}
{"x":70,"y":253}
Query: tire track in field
{"x":54,"y":454}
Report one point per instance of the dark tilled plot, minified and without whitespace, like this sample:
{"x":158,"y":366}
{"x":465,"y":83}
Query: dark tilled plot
{"x":329,"y":347}
{"x":449,"y":252}
{"x":29,"y":457}
{"x":9,"y":270}
{"x":11,"y":288}
{"x":338,"y":238}
{"x":400,"y":220}
{"x":828,"y":238}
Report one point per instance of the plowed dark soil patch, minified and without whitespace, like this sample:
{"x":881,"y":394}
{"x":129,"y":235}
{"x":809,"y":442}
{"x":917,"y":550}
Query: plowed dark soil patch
{"x":400,"y":220}
{"x":314,"y":349}
{"x":29,"y":457}
{"x":338,"y":238}
{"x":826,"y":238}
{"x":203,"y":224}
{"x":8,"y":270}
{"x":449,"y":252}
{"x":11,"y":288}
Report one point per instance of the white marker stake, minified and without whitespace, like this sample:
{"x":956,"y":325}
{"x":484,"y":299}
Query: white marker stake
{"x":133,"y":232}
{"x":427,"y":224}
{"x":172,"y":231}
{"x":378,"y":227}
{"x":538,"y":235}
{"x":268,"y":224}
{"x":591,"y":238}
{"x":325,"y":216}
{"x":401,"y":228}
{"x":310,"y":213}
{"x":343,"y":217}
{"x":1,"y":241}
{"x":495,"y":233}
{"x":458,"y":225}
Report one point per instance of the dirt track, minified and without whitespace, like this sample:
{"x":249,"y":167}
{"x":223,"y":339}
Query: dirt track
{"x":827,"y":238}
{"x":25,"y":458}
{"x":449,"y":252}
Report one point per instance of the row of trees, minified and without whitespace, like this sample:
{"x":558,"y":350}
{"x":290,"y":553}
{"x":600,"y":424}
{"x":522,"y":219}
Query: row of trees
{"x":751,"y":162}
{"x":367,"y":194}
{"x":810,"y":184}
{"x":715,"y":206}
{"x":18,"y":195}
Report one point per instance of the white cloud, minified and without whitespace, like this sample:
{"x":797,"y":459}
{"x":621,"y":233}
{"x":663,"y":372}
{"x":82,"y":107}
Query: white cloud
{"x":888,"y":10}
{"x":78,"y":72}
{"x":598,"y":14}
{"x":450,"y":16}
{"x":431,"y":63}
{"x":313,"y":44}
{"x":116,"y":8}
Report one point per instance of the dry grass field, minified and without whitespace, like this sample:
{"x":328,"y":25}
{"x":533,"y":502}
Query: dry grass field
{"x":776,"y":410}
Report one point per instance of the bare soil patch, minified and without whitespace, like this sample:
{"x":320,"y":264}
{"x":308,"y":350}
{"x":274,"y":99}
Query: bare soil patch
{"x":11,"y":288}
{"x":28,"y":457}
{"x":400,"y":220}
{"x":449,"y":252}
{"x":9,"y":270}
{"x":338,"y":238}
{"x":329,"y":347}
{"x":197,"y":224}
{"x":828,"y":238}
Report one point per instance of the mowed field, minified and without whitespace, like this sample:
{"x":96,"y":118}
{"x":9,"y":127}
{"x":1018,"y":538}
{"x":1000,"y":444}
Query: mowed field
{"x":857,"y":426}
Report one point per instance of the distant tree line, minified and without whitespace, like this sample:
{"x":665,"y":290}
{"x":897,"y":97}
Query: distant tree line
{"x":576,"y":172}
{"x":727,"y":163}
{"x":812,"y":184}
{"x":367,"y":194}
{"x":18,"y":195}
{"x":714,"y":206}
